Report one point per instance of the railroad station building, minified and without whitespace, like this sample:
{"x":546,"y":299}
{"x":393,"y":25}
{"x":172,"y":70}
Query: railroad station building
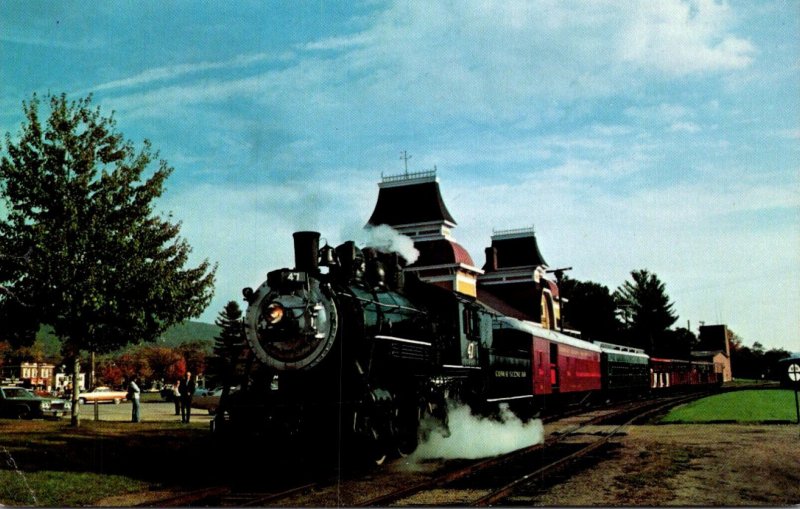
{"x":512,"y":281}
{"x":412,"y":204}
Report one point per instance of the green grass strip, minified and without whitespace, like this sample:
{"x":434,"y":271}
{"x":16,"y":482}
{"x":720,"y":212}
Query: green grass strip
{"x":62,"y":489}
{"x":738,"y":406}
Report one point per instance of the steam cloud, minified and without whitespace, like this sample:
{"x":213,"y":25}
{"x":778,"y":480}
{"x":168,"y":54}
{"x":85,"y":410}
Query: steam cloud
{"x":388,"y":240}
{"x":474,"y":437}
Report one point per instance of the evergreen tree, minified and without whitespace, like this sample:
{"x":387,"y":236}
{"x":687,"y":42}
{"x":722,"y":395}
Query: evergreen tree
{"x":82,"y":245}
{"x":589,"y":308}
{"x":229,"y":345}
{"x":646,"y":309}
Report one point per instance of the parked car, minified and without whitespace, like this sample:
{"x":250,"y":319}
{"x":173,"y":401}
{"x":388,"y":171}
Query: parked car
{"x":59,"y":407}
{"x":166,"y":392}
{"x":20,"y":403}
{"x":102,"y":395}
{"x":210,"y":400}
{"x":202,"y":391}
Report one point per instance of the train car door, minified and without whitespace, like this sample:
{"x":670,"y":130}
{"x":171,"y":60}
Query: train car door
{"x":554,"y":375}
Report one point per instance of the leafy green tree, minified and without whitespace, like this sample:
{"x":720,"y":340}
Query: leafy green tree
{"x":83,"y":248}
{"x":590,"y":308}
{"x":645,"y":307}
{"x":676,"y":344}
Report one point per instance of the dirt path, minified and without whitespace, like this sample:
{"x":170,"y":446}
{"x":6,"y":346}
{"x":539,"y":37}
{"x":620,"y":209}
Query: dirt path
{"x":690,"y":465}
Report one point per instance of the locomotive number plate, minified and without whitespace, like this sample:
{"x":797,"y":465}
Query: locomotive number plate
{"x":298,"y":277}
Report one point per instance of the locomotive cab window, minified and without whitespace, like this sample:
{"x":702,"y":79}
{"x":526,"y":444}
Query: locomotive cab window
{"x":470,"y":323}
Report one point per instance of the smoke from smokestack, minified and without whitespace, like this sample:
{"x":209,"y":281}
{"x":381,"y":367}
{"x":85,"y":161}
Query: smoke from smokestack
{"x":386,"y":239}
{"x":472,"y":437}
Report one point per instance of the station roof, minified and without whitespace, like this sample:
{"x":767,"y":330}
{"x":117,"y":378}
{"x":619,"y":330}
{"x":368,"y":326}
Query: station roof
{"x":442,"y":252}
{"x":408,"y":199}
{"x":516,"y":248}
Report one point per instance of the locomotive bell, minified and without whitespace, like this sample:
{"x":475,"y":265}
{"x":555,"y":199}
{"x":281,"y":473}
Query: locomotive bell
{"x":327,"y":257}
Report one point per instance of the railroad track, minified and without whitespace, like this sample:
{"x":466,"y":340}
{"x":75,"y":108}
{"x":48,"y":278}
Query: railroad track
{"x":478,"y":483}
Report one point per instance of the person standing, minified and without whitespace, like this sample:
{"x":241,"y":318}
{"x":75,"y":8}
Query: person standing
{"x":176,"y":396}
{"x":186,"y":388}
{"x":133,"y":395}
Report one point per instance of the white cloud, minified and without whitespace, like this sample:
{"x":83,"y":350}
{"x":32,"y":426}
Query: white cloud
{"x":248,"y":230}
{"x":679,"y":38}
{"x":471,"y":60}
{"x":168,"y":73}
{"x":686,"y":127}
{"x":789,"y":134}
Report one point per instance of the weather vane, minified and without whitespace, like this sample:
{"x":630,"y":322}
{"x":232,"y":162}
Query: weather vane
{"x":405,"y":157}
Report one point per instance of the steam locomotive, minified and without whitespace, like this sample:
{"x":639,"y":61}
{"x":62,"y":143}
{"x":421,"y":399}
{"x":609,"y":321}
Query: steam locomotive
{"x":355,"y":350}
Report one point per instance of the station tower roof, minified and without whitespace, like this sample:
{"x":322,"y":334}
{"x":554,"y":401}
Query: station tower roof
{"x":410,"y":198}
{"x":512,"y":249}
{"x":412,"y":204}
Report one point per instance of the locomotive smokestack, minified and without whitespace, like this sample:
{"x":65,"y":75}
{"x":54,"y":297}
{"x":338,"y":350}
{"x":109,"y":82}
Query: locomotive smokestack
{"x":306,"y":251}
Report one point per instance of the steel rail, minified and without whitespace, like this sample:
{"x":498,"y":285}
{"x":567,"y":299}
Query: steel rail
{"x":467,"y":470}
{"x":507,"y":490}
{"x":482,"y":465}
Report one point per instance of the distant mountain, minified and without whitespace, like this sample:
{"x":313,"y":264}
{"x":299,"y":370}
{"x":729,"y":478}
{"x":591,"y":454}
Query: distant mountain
{"x":189,"y":331}
{"x":172,"y":337}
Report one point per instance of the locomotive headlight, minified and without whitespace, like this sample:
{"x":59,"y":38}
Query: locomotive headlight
{"x":274,"y":313}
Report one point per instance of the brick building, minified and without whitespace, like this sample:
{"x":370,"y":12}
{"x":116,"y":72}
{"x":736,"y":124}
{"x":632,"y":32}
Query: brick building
{"x":38,"y":375}
{"x":714,"y":346}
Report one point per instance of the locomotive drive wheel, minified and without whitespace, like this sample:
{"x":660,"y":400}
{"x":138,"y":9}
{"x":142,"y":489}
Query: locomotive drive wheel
{"x":376,"y":453}
{"x":405,"y":426}
{"x":369,"y":441}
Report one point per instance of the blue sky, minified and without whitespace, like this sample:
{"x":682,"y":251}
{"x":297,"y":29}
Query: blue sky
{"x":659,"y":135}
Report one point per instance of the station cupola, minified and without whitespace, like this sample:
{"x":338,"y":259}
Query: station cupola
{"x":412,"y":204}
{"x":514,"y":279}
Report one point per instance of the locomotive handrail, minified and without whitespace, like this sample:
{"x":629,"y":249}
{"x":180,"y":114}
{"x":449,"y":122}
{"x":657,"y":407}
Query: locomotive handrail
{"x":378,"y":303}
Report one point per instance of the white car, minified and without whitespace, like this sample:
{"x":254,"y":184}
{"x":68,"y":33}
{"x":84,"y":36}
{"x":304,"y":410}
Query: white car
{"x":102,"y":395}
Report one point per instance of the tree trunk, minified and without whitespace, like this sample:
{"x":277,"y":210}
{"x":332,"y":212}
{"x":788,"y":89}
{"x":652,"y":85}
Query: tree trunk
{"x":91,"y":375}
{"x":76,"y":389}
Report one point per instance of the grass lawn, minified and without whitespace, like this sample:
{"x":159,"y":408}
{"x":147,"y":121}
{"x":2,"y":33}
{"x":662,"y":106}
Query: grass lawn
{"x":50,"y":464}
{"x":738,"y":406}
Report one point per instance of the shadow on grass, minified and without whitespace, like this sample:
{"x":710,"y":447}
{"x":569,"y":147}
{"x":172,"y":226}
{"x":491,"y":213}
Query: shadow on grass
{"x":160,"y":455}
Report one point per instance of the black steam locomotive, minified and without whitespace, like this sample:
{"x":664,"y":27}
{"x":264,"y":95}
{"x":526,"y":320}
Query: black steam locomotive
{"x":350,"y":343}
{"x":352,"y":350}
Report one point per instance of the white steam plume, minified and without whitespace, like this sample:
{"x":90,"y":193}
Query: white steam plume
{"x":479,"y":437}
{"x":386,"y":239}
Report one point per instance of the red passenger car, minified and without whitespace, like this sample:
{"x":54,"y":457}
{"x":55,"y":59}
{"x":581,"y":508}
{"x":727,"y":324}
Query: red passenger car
{"x":665,"y":373}
{"x":555,"y":363}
